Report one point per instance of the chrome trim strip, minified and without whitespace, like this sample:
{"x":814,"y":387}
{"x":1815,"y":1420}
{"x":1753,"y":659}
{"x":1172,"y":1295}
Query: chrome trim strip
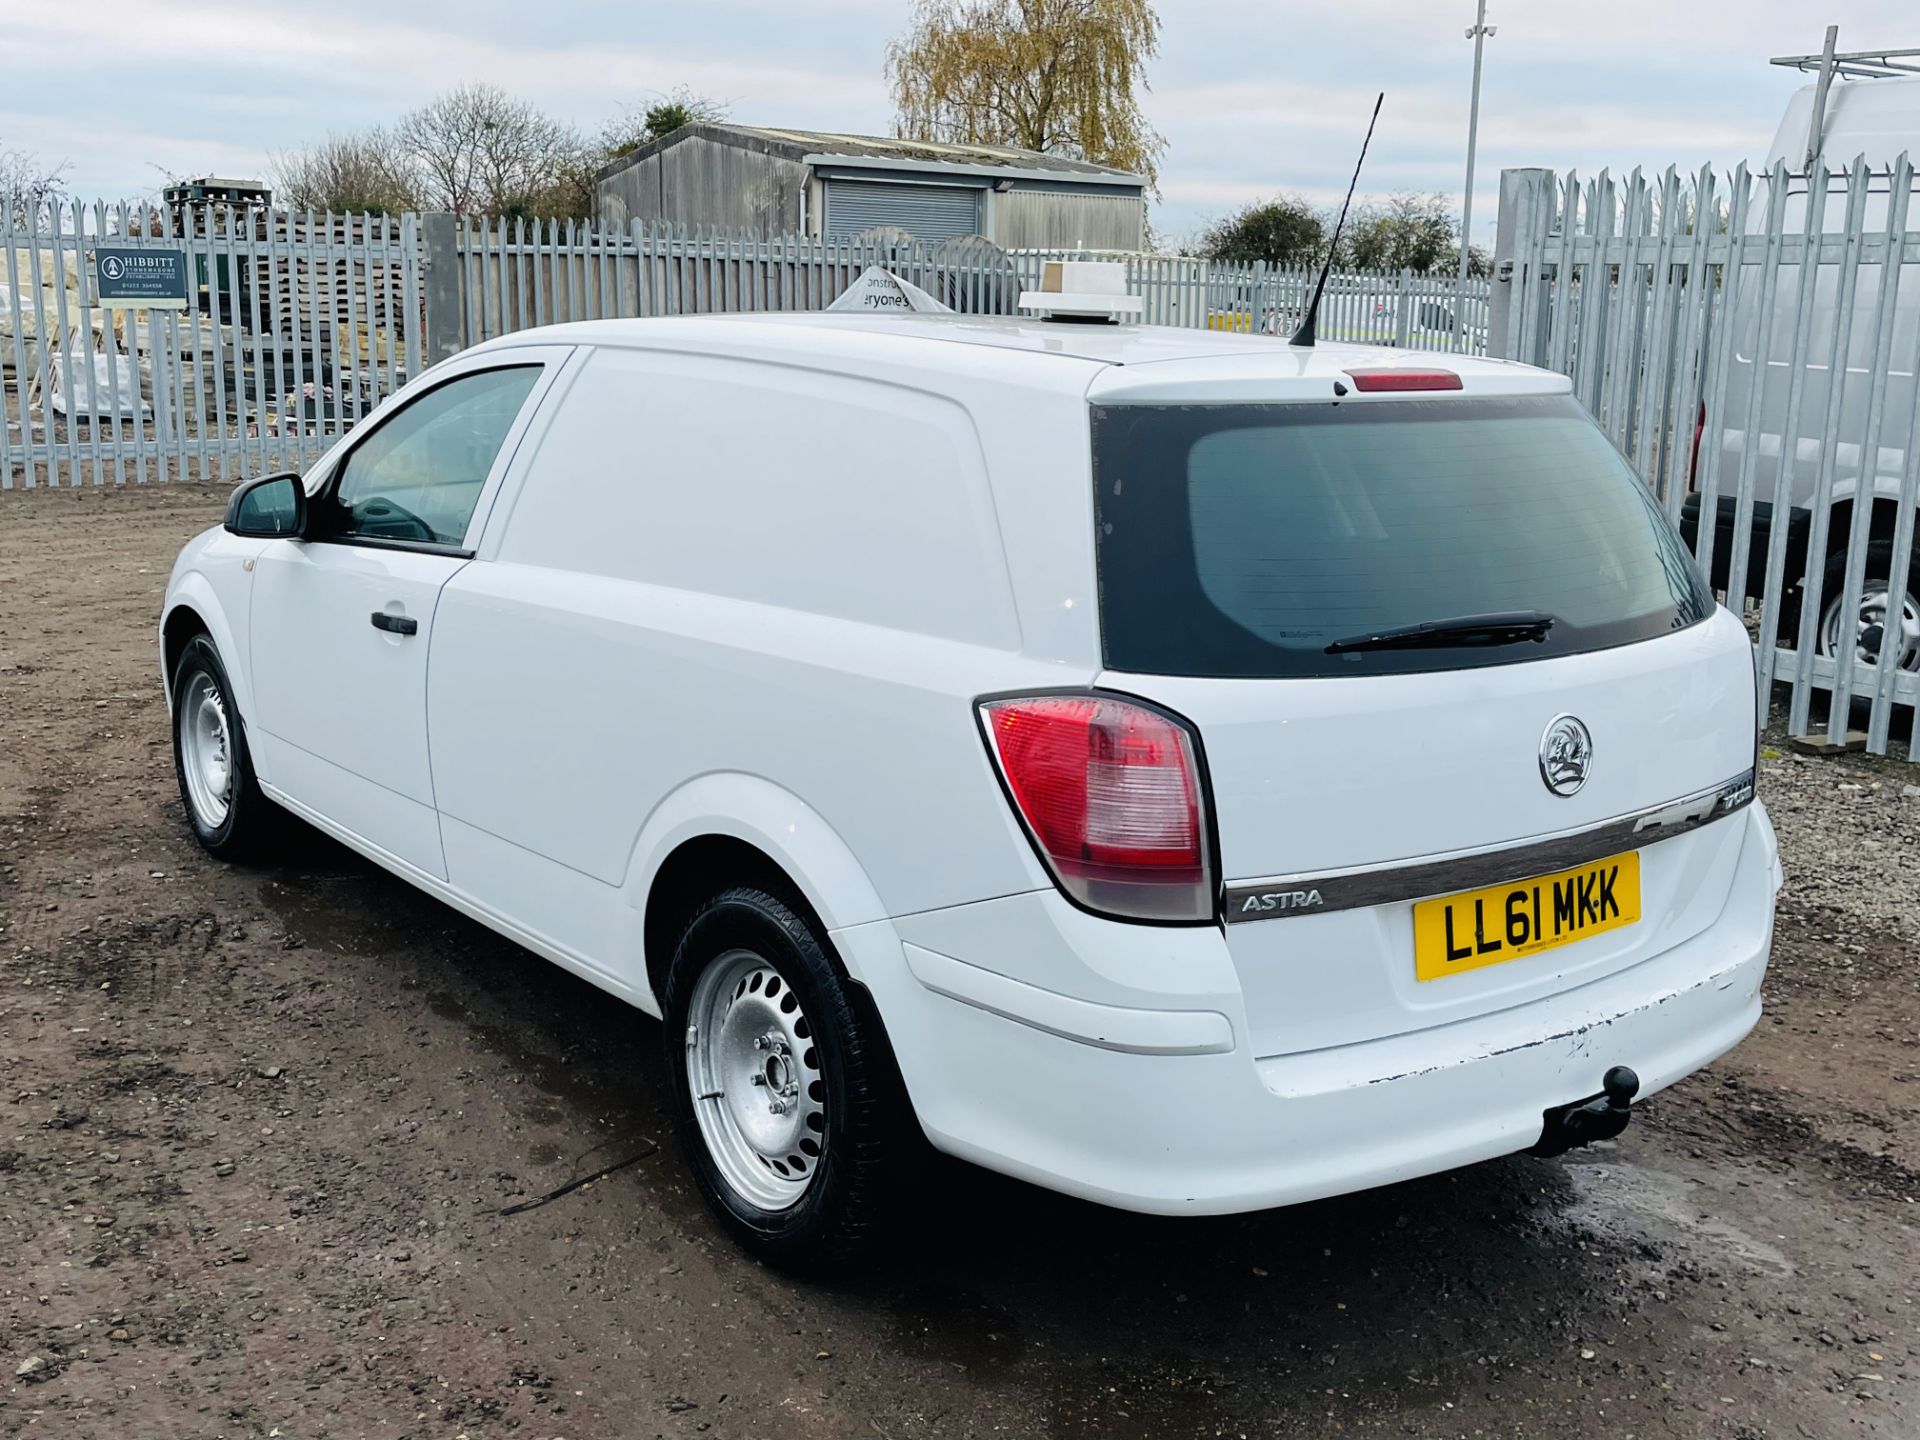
{"x":1285,"y":897}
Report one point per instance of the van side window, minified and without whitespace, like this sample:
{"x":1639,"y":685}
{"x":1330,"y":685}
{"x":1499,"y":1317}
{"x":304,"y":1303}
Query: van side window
{"x":418,"y":475}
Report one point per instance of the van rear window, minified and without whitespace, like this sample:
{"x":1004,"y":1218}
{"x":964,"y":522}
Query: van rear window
{"x":1244,"y":540}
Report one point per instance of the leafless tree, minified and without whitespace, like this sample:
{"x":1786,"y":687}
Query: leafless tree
{"x":479,"y":151}
{"x":367,"y":171}
{"x":26,"y":184}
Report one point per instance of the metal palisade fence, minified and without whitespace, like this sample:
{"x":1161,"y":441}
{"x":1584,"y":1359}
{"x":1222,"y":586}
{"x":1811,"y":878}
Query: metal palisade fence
{"x":519,"y":273}
{"x":1750,"y":342}
{"x":295,"y":325}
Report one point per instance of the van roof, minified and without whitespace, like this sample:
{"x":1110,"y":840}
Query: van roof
{"x":1204,"y":356}
{"x":1876,"y":118}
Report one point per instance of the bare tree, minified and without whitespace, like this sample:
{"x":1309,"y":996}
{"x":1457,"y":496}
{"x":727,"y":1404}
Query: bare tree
{"x":368,"y":171}
{"x":26,"y":184}
{"x":479,"y":151}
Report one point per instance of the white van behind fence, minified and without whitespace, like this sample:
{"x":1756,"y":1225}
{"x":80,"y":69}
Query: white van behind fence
{"x":1750,"y":343}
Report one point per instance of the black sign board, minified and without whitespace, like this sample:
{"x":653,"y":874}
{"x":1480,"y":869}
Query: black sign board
{"x":130,"y":279}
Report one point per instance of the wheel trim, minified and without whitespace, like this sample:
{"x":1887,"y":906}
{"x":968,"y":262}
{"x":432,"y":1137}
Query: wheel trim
{"x":206,"y":750}
{"x":754,"y":1077}
{"x":1871,"y":614}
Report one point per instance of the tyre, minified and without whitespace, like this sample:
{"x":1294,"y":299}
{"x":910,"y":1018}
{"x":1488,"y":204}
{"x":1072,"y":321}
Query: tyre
{"x":785,"y":1098}
{"x":229,"y":815}
{"x":1868,"y":619}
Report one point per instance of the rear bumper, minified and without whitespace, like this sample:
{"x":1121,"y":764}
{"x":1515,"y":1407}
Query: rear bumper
{"x":1137,"y":1105}
{"x":1726,"y":513}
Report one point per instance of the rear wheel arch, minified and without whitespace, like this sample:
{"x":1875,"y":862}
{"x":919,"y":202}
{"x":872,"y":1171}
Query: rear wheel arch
{"x":682,"y":854}
{"x":700,"y":868}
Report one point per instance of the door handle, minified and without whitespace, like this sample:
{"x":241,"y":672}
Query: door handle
{"x":395,"y":624}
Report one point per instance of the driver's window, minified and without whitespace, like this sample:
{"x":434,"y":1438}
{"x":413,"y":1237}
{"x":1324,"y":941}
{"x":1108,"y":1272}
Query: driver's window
{"x":419,"y":475}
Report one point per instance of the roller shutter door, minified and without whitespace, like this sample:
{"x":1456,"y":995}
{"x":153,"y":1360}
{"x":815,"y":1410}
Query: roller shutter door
{"x":931,"y":212}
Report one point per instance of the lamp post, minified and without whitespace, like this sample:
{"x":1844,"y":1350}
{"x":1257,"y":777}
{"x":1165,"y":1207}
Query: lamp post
{"x":1478,"y":33}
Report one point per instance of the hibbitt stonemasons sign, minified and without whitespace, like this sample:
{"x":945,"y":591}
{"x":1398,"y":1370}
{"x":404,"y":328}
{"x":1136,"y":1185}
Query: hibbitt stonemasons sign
{"x":140,"y":279}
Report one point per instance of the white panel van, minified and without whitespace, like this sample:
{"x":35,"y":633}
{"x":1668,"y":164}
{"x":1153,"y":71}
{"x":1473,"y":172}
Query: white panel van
{"x":1179,"y":769}
{"x":1880,"y":120}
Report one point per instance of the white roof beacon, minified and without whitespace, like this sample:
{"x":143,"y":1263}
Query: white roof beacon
{"x":1087,"y":291}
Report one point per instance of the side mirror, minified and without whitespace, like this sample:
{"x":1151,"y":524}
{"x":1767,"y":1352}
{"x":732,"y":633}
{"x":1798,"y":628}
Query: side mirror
{"x":274,"y":507}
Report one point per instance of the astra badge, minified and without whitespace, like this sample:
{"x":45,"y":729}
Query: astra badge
{"x":1566,"y":754}
{"x":1271,"y":900}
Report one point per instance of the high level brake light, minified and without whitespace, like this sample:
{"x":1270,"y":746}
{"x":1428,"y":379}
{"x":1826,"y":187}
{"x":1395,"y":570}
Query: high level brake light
{"x":1386,"y":379}
{"x":1110,"y":792}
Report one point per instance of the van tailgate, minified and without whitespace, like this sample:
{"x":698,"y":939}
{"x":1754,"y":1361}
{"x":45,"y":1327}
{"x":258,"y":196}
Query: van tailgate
{"x":1323,"y":788}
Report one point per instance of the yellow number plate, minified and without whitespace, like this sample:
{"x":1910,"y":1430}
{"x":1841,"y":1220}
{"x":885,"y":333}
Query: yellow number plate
{"x":1506,"y":922}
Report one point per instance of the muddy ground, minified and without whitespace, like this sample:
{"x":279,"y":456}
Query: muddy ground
{"x":257,"y":1129}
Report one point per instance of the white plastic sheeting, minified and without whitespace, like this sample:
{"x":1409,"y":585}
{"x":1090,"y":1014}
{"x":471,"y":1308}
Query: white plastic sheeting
{"x":102,"y":384}
{"x":879,"y":291}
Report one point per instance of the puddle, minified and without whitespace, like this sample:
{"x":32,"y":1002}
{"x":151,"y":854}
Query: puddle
{"x":1624,"y":1201}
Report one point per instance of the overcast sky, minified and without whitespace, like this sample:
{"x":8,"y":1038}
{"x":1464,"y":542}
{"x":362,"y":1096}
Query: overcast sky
{"x":1252,"y":97}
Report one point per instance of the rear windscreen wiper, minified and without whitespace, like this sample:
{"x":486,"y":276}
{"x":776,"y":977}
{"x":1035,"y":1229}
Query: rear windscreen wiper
{"x":1504,"y":628}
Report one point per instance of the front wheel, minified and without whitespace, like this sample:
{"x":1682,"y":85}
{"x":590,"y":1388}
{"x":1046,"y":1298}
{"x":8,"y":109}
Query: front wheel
{"x":785,"y":1100}
{"x":1868,"y":618}
{"x":229,"y":815}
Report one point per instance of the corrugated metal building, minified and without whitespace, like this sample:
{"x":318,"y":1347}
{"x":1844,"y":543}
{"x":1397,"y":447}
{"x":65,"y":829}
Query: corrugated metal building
{"x":784,"y":182}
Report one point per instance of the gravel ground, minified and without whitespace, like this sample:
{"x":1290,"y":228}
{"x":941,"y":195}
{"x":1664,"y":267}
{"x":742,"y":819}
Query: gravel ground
{"x":260,"y":1128}
{"x":1852,"y":825}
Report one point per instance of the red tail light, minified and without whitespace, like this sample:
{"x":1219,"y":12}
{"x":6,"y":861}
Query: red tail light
{"x":1385,"y":378}
{"x":1110,"y":792}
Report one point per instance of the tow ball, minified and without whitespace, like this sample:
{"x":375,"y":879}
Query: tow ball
{"x":1584,"y":1121}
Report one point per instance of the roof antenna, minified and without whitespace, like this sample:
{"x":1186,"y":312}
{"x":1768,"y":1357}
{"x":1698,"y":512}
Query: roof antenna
{"x":1303,"y":337}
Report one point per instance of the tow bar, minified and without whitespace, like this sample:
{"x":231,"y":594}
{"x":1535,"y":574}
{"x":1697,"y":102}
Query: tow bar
{"x":1584,"y":1121}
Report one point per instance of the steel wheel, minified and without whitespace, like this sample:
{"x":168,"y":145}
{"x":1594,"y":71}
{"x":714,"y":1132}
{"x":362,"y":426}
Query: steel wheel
{"x":206,"y":750}
{"x":754,"y":1077}
{"x":1870,"y":620}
